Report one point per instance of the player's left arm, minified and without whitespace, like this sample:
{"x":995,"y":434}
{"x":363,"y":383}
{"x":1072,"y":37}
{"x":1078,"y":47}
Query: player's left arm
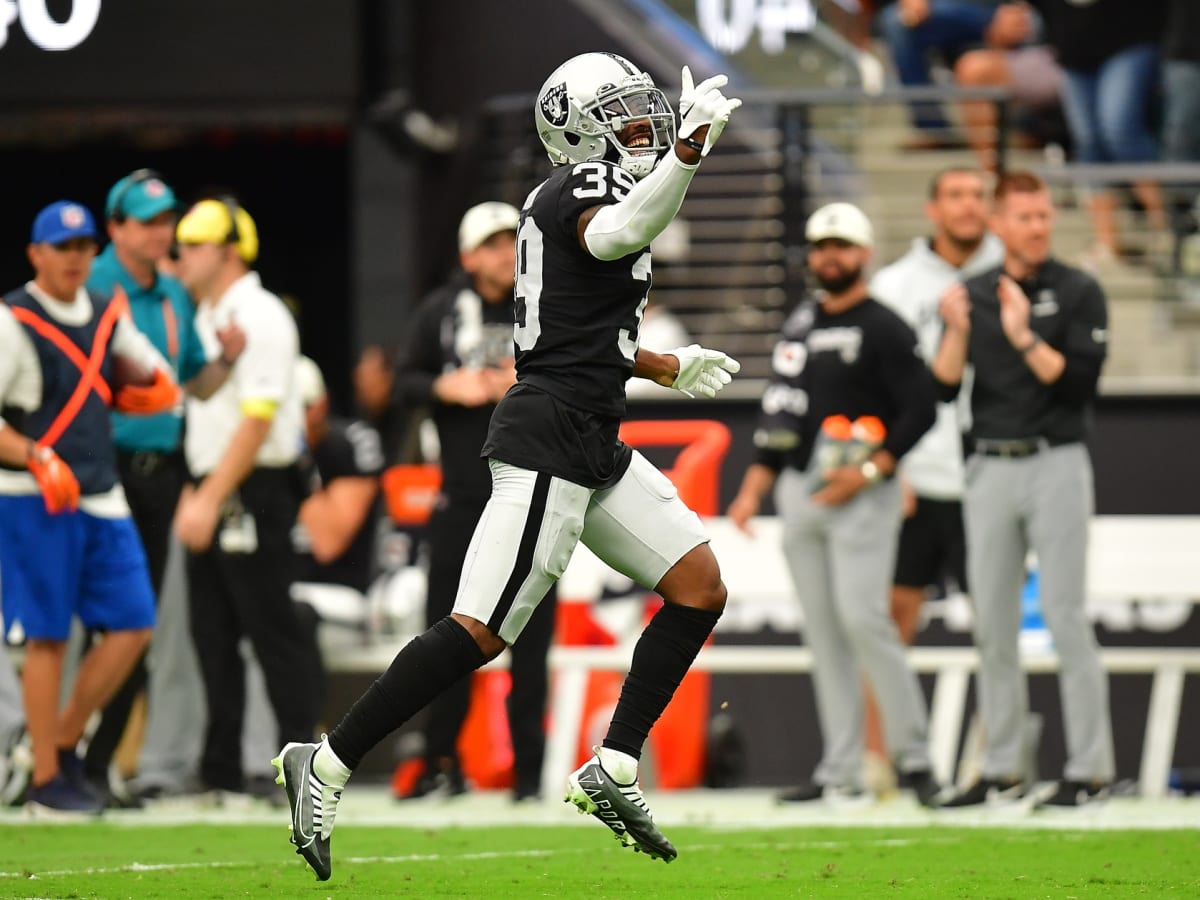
{"x":690,"y":370}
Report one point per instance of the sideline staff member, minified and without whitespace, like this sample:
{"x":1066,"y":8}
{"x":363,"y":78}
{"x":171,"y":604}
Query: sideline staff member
{"x":72,"y":551}
{"x":460,"y":363}
{"x":141,"y":210}
{"x":242,"y":446}
{"x":1036,"y":332}
{"x":845,"y":354}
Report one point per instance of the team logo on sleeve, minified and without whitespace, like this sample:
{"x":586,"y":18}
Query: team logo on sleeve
{"x":554,"y":105}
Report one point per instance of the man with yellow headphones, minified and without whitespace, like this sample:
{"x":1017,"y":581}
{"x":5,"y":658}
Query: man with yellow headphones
{"x":242,"y":445}
{"x":142,"y":210}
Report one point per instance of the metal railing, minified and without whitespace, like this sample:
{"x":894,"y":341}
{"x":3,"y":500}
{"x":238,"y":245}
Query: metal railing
{"x":788,"y":151}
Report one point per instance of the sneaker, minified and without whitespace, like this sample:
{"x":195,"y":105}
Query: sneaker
{"x":987,"y":791}
{"x":445,"y":783}
{"x":527,"y":793}
{"x":923,"y":785}
{"x":70,"y":766}
{"x":313,"y":803}
{"x":62,"y":795}
{"x":619,"y":806}
{"x":835,"y":795}
{"x":1073,"y":794}
{"x":262,"y":787}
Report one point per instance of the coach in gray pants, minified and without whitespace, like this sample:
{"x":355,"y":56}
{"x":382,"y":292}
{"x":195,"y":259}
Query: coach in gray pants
{"x":1035,"y":331}
{"x":845,"y":354}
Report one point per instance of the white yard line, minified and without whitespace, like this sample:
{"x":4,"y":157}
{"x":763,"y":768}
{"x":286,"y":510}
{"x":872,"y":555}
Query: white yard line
{"x":452,"y":857}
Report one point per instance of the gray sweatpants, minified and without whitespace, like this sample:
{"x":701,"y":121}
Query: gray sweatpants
{"x":1042,"y":501}
{"x":841,"y":559}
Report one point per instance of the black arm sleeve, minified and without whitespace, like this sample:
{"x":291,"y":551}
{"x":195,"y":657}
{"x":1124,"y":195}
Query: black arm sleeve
{"x":910,"y":386}
{"x":1085,"y":346}
{"x":422,"y":361}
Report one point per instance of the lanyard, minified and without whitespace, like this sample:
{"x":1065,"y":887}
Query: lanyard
{"x":171,"y":326}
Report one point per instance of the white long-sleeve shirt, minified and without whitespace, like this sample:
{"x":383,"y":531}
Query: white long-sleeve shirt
{"x":912,"y":286}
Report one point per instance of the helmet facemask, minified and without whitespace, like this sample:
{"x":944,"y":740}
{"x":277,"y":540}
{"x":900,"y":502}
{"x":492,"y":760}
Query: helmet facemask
{"x":640,"y":122}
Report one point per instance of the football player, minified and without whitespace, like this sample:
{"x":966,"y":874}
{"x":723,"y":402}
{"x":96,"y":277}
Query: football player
{"x":559,"y":472}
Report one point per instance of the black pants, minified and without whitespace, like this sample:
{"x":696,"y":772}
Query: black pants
{"x":241,"y":590}
{"x":450,"y":532}
{"x":152,"y":483}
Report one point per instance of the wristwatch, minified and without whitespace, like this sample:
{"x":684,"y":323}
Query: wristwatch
{"x":871,"y":472}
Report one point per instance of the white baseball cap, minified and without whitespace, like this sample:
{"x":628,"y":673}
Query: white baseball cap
{"x":843,"y":221}
{"x":482,"y":221}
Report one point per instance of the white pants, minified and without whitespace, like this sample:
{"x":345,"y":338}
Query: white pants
{"x":533,"y":521}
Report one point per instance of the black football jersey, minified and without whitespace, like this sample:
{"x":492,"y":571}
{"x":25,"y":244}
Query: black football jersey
{"x":576,"y":334}
{"x":577,"y":316}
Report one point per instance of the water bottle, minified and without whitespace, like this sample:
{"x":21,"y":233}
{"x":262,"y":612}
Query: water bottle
{"x":830,"y":450}
{"x":867,"y":434}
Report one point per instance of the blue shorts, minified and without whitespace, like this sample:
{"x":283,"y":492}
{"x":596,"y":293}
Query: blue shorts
{"x":55,"y":567}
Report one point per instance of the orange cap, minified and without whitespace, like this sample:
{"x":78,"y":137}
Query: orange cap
{"x":869,"y":429}
{"x":837,"y":427}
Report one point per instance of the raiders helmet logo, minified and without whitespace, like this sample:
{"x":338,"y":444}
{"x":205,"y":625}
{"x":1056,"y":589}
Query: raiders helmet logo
{"x":554,"y":105}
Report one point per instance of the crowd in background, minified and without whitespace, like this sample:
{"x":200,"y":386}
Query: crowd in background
{"x":1110,"y":81}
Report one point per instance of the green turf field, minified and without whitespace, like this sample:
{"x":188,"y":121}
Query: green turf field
{"x":101,"y":860}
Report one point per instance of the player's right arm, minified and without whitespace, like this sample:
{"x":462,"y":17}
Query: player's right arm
{"x":612,"y":231}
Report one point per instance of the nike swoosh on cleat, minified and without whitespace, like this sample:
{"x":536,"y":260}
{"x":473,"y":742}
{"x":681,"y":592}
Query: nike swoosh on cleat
{"x":297,"y":825}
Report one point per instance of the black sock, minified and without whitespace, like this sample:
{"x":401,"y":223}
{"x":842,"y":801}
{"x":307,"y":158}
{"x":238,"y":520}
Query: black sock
{"x":661,"y":658}
{"x":427,"y":665}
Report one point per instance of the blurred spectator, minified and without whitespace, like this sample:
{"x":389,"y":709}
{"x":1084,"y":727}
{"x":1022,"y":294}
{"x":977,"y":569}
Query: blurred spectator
{"x":843,"y":354}
{"x":242,"y":446}
{"x":1029,"y":486}
{"x":932,"y":544}
{"x":1029,"y":72}
{"x":1181,"y":134}
{"x":374,"y":386}
{"x":141,"y":211}
{"x":68,"y":546}
{"x":916,"y":29}
{"x":334,"y":534}
{"x":460,"y":363}
{"x":333,"y":538}
{"x":1181,"y":74}
{"x":1109,"y":52}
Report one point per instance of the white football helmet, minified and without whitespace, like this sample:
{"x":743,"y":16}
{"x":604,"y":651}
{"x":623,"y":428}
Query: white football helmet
{"x":588,"y":100}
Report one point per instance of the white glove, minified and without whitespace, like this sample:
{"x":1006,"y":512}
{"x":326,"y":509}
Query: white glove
{"x":704,"y":104}
{"x":703,"y":371}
